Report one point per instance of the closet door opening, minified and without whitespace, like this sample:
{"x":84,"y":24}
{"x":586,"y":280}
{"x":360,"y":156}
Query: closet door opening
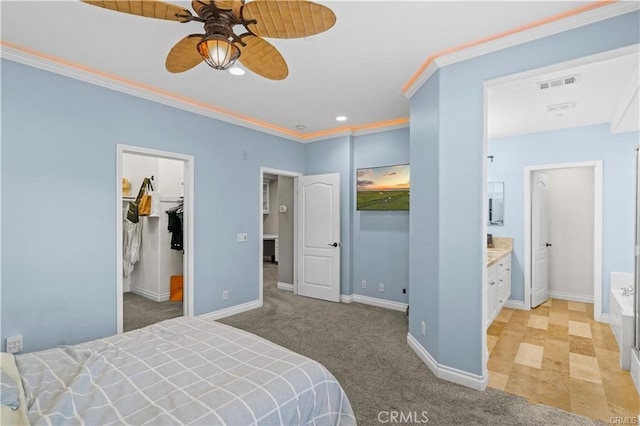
{"x":154,"y":251}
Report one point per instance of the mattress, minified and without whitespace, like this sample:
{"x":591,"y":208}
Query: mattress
{"x":182,"y":371}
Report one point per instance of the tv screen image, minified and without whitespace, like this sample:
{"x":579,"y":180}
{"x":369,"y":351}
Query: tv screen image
{"x":383,"y":188}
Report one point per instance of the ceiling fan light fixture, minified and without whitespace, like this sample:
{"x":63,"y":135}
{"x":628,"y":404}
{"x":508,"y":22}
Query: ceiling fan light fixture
{"x":218,"y":52}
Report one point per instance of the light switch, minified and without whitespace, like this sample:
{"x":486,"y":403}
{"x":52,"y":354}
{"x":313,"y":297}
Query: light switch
{"x":242,"y":237}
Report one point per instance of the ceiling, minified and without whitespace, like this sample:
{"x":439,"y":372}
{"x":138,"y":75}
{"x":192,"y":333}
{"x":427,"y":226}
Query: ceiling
{"x":356,"y":69}
{"x":603,"y":89}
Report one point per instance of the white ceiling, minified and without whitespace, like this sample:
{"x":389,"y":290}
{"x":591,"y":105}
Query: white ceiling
{"x":355,"y":69}
{"x":604,"y":88}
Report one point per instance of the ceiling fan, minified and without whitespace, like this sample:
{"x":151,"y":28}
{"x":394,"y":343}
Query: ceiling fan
{"x":220,"y":47}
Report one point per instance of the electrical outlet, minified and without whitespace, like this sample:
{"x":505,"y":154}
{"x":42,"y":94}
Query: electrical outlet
{"x":423,"y":328}
{"x":225,"y":295}
{"x":364,"y":284}
{"x":381,"y":287}
{"x":14,"y":344}
{"x":242,"y":237}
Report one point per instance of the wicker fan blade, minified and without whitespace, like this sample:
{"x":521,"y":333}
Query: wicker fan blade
{"x":229,"y":5}
{"x":263,"y":58}
{"x":288,"y":19}
{"x":148,"y":8}
{"x":184,"y":55}
{"x":197,"y":5}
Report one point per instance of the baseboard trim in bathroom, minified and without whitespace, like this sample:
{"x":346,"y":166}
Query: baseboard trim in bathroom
{"x":515,"y":304}
{"x":571,"y":297}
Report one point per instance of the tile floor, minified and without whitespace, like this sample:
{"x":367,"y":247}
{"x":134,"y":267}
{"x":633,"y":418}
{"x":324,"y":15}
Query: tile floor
{"x":556,"y":354}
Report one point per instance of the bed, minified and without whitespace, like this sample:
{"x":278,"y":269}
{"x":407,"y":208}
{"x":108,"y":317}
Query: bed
{"x":186,"y":370}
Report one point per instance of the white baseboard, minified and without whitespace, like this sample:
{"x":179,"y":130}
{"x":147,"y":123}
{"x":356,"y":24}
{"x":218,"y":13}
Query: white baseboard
{"x":635,"y":369}
{"x":156,"y":297}
{"x":604,"y":318}
{"x":233,"y":310}
{"x":571,"y":297}
{"x":284,"y":286}
{"x":515,"y":304}
{"x":448,"y":373}
{"x":346,"y":298}
{"x":126,"y":288}
{"x":373,"y":301}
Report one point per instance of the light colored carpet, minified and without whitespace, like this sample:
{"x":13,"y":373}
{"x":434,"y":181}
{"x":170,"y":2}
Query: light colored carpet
{"x":138,"y":311}
{"x":365,"y":347}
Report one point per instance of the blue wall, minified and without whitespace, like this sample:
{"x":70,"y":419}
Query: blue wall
{"x":458,"y":193}
{"x":381,"y":238}
{"x":58,"y":165}
{"x":375,"y":245}
{"x":59,"y":141}
{"x":590,"y":143}
{"x":424,"y":215}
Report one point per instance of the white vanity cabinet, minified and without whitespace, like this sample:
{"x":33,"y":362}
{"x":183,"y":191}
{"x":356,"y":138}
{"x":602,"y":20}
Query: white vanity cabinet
{"x":498,"y":287}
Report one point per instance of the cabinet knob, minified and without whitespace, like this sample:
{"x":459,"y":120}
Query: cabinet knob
{"x":501,"y":264}
{"x":492,"y":283}
{"x":500,"y":301}
{"x":508,"y":269}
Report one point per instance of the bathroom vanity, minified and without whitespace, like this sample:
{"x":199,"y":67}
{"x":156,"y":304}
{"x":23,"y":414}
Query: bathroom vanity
{"x":498,"y":288}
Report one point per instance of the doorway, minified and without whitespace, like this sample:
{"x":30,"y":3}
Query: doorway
{"x":278,"y":229}
{"x":168,"y":260}
{"x":572,"y":188}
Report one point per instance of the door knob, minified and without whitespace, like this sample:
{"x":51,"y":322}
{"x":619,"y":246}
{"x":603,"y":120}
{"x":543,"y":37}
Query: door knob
{"x":548,"y":245}
{"x":335,"y":244}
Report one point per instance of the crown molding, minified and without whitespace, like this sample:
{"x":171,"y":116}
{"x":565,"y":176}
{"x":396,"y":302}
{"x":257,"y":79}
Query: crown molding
{"x":517,"y":36}
{"x":131,"y":88}
{"x":371,"y":130}
{"x":112,"y":82}
{"x":363,"y":130}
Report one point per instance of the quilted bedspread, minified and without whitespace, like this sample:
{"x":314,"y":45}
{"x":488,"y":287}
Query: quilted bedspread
{"x":181,"y":371}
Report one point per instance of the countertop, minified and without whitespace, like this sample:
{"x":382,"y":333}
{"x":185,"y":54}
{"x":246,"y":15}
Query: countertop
{"x":502,"y":246}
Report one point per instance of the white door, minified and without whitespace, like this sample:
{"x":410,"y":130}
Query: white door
{"x":319,"y":237}
{"x":539,"y":242}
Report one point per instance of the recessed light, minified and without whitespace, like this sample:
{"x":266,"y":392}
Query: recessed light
{"x":301,"y":127}
{"x":341,"y":118}
{"x":236,"y":71}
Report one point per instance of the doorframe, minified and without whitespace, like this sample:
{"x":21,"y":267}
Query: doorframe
{"x":188,"y":236}
{"x":597,"y":229}
{"x":295,"y":176}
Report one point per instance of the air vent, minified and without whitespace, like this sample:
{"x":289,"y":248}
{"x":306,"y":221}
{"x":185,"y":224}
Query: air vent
{"x":560,"y":108}
{"x":558,"y":82}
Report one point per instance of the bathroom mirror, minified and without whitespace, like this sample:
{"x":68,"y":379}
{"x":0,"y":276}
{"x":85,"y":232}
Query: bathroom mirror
{"x":495,"y":191}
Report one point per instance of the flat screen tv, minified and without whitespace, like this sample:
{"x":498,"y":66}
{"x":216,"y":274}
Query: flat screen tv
{"x":383,"y":188}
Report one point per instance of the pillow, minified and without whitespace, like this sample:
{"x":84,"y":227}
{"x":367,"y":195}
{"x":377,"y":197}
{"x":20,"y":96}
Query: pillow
{"x":14,"y":411}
